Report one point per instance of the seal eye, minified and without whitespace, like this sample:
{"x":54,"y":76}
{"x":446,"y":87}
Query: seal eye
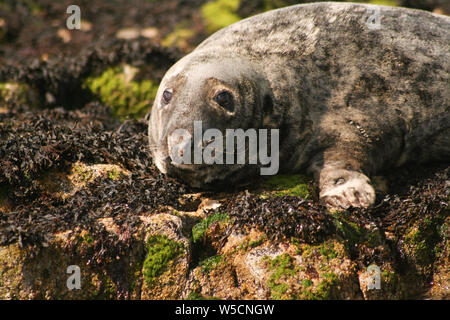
{"x":225,"y":100}
{"x":167,"y":96}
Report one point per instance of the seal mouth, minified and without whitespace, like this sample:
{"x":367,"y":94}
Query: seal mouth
{"x":209,"y":176}
{"x":188,"y":167}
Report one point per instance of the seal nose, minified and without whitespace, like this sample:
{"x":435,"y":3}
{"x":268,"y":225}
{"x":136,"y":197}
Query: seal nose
{"x":180,"y":146}
{"x":161,"y":162}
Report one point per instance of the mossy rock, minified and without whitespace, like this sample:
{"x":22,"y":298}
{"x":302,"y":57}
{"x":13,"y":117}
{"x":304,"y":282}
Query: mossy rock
{"x":250,"y":244}
{"x":199,"y":230}
{"x":41,"y":272}
{"x":352,"y":234}
{"x":392,"y":284}
{"x":18,"y":93}
{"x":421,"y":240}
{"x":127,"y":98}
{"x":292,"y":185}
{"x":65,"y":183}
{"x":210,"y":263}
{"x":161,"y":251}
{"x":282,"y":268}
{"x":165,"y":268}
{"x":312,"y":272}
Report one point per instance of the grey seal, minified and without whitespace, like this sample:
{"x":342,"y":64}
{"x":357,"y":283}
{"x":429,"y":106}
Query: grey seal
{"x":350,"y":100}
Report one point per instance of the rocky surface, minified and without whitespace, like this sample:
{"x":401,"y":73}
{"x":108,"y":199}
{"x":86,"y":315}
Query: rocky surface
{"x":78,"y":187}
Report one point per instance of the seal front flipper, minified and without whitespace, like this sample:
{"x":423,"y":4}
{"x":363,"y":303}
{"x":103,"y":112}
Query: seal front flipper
{"x":344,"y":188}
{"x":341,"y":186}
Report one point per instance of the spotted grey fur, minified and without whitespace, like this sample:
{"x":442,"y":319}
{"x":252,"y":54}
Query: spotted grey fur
{"x":349,"y":100}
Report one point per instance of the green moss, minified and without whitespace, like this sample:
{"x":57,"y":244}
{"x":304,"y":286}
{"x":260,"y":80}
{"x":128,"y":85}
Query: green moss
{"x":278,"y":290}
{"x":87,"y":238}
{"x":421,"y":239}
{"x":320,"y":258}
{"x":326,"y":286}
{"x":81,"y":172}
{"x":210,"y":263}
{"x":35,"y":8}
{"x":282,"y":268}
{"x":443,"y":233}
{"x":218,"y":14}
{"x":327,"y":251}
{"x":127,"y":98}
{"x":160,"y":252}
{"x":307,"y":251}
{"x":193,"y":295}
{"x":252,"y":244}
{"x":349,"y":231}
{"x":292,"y":185}
{"x":392,"y":3}
{"x":257,"y":242}
{"x":107,"y":288}
{"x":275,"y":4}
{"x":176,"y":213}
{"x":178,"y":37}
{"x":353,"y":234}
{"x":306,"y":283}
{"x":114,"y":174}
{"x":389,"y":277}
{"x":200,"y":228}
{"x":323,"y":291}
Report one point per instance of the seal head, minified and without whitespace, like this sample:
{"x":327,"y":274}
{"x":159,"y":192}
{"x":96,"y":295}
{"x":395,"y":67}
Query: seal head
{"x":217,"y":93}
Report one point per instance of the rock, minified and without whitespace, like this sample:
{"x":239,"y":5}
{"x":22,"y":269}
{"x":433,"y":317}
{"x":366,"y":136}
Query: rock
{"x":167,"y":262}
{"x":41,"y":272}
{"x":64,"y":34}
{"x":77,"y":188}
{"x":14,"y":92}
{"x":150,"y":33}
{"x":128,"y":33}
{"x":67,"y":183}
{"x":86,"y":26}
{"x":250,"y":267}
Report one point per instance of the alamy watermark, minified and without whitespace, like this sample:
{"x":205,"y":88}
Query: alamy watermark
{"x":208,"y":147}
{"x":74,"y":280}
{"x":74,"y":20}
{"x":374,"y":20}
{"x":374,"y":277}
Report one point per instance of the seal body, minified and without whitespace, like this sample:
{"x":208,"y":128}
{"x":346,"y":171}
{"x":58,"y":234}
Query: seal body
{"x":349,"y":99}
